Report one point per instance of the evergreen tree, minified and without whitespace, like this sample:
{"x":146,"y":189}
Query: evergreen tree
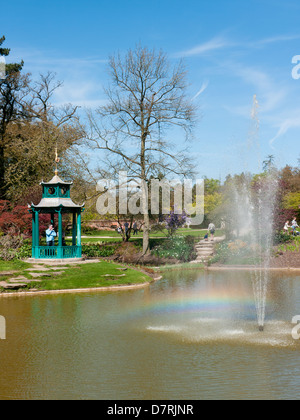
{"x":12,"y":88}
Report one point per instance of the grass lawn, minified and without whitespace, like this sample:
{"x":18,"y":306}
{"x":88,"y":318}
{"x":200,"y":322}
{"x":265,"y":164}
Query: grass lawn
{"x":160,"y":234}
{"x":98,"y":274}
{"x":182,"y":266}
{"x":15,"y":265}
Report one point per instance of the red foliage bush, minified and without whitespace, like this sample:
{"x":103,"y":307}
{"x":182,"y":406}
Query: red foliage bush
{"x":16,"y":219}
{"x":282,"y":216}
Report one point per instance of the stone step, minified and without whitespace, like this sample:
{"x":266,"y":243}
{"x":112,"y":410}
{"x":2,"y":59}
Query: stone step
{"x":7,"y":273}
{"x":12,"y":286}
{"x":205,"y":245}
{"x":113,"y":275}
{"x":46,"y":268}
{"x":47,"y":274}
{"x":37,"y":269}
{"x":40,"y":274}
{"x":22,"y":279}
{"x":203,"y":257}
{"x":19,"y":279}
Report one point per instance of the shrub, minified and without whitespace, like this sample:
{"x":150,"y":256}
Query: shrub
{"x":17,"y":219}
{"x":281,"y":238}
{"x":24,"y":251}
{"x":98,"y":250}
{"x":281,"y":216}
{"x":88,"y":230}
{"x":179,"y":247}
{"x":293,"y":245}
{"x":236,"y":252}
{"x":175,"y":221}
{"x":10,"y":246}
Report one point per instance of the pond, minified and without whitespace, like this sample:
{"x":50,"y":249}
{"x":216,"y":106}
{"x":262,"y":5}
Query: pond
{"x":191,"y":335}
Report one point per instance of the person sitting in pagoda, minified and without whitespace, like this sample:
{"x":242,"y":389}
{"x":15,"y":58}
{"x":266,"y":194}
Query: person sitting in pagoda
{"x":50,"y":235}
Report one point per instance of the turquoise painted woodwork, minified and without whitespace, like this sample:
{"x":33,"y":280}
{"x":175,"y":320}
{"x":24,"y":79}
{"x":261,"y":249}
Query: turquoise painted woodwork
{"x":56,"y":201}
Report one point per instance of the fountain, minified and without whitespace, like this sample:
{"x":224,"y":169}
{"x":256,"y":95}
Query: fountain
{"x":253,"y":207}
{"x":253,"y":215}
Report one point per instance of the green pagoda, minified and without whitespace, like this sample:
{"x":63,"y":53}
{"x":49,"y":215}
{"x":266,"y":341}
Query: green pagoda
{"x":56,"y":201}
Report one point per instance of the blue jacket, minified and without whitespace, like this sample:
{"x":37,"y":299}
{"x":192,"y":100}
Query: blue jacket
{"x":50,"y":235}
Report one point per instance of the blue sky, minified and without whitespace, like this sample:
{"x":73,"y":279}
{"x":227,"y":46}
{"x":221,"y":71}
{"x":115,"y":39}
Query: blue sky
{"x":233,"y":49}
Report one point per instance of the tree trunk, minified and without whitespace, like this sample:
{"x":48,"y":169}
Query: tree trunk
{"x":2,"y":174}
{"x":146,"y":231}
{"x":146,"y":249}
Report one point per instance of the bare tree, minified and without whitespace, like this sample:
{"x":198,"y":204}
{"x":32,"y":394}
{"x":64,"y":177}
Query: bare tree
{"x":32,"y":137}
{"x":145,"y":98}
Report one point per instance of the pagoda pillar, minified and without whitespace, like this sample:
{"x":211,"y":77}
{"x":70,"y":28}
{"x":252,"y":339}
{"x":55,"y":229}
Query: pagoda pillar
{"x":60,"y":234}
{"x":79,"y":229}
{"x":33,"y":234}
{"x":37,"y":233}
{"x":74,"y":230}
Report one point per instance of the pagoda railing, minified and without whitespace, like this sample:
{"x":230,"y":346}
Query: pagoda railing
{"x":56,"y":252}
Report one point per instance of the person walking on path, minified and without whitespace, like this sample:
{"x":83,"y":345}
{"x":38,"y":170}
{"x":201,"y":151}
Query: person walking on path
{"x":135,"y":228}
{"x":50,"y":235}
{"x":294,"y":225}
{"x":286,"y":227}
{"x":126,"y":227}
{"x":211,"y":230}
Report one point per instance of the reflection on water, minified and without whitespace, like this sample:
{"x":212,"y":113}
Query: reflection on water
{"x":192,"y":335}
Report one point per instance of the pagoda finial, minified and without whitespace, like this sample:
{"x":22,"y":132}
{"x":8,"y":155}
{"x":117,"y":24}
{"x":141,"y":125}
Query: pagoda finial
{"x":56,"y":161}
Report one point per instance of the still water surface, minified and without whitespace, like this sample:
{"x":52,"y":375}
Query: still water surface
{"x":192,"y":335}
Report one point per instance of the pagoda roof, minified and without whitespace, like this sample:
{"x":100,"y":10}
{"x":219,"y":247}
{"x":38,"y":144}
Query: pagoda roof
{"x":56,"y":180}
{"x":55,"y":202}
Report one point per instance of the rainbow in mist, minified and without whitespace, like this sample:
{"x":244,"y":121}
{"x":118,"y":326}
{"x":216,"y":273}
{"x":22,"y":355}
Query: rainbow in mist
{"x":213,"y":301}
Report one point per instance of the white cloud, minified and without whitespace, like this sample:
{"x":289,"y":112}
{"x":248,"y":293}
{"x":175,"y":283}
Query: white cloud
{"x":79,"y":92}
{"x":51,"y":60}
{"x":274,"y":39}
{"x":268,"y":92}
{"x":201,"y":90}
{"x":214,"y":44}
{"x":287,"y":124}
{"x":220,"y":42}
{"x":81,"y":76}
